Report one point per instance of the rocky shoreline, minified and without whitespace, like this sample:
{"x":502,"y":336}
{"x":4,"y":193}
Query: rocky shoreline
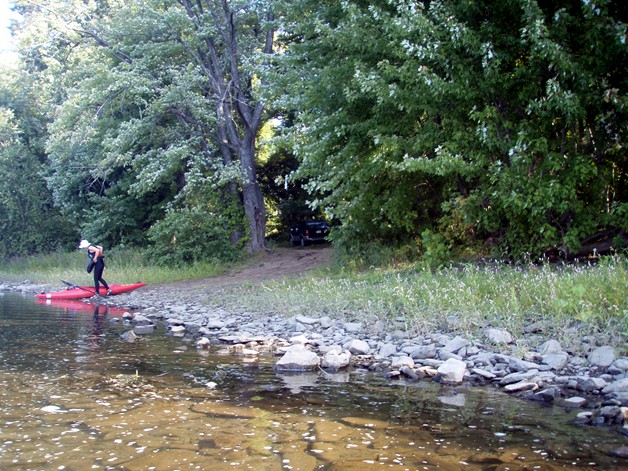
{"x":595,"y":382}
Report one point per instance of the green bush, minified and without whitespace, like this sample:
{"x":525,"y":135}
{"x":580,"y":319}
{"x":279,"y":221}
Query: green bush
{"x":436,"y":252}
{"x":188,"y":236}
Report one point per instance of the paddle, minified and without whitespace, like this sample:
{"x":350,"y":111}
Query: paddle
{"x":78,"y":287}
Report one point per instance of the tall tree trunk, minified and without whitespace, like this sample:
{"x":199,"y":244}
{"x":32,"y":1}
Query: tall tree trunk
{"x":254,"y":208}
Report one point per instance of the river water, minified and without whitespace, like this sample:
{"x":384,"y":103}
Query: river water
{"x":76,"y":396}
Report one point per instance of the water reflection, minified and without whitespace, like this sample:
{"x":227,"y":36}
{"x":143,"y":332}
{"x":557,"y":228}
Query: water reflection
{"x":76,"y":396}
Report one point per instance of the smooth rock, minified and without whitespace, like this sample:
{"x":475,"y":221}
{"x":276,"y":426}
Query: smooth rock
{"x":620,"y":386}
{"x":144,"y":329}
{"x":574,"y":401}
{"x":602,"y":357}
{"x":452,"y":371}
{"x":591,"y":384}
{"x":520,"y":386}
{"x":306,"y":320}
{"x":174,"y":321}
{"x":411,"y":373}
{"x":546,"y":395}
{"x":483,"y":373}
{"x":620,"y":365}
{"x":335,"y":361}
{"x":455,"y":344}
{"x":298,"y":358}
{"x":422,"y":352}
{"x":399,"y":362}
{"x":515,"y":364}
{"x":498,"y":336}
{"x":518,"y":377}
{"x":387,"y":350}
{"x":353,"y":327}
{"x":556,"y":361}
{"x":358,"y":347}
{"x":139,"y":319}
{"x":129,"y":336}
{"x":215,"y":324}
{"x":443,"y":355}
{"x":203,"y":342}
{"x":549,"y":347}
{"x":301,"y":339}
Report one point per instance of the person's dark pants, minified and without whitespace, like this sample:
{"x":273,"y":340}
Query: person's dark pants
{"x":98,"y":270}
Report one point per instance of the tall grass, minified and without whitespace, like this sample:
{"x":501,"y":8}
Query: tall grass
{"x":122,"y":266}
{"x":568,"y":302}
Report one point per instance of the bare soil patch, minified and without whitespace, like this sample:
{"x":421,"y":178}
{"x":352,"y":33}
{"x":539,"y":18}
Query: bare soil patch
{"x":278,"y":263}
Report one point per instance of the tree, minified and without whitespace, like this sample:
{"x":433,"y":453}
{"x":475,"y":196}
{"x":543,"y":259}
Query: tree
{"x":240,"y":31}
{"x":160,"y":108}
{"x":488,"y":122}
{"x":29,"y":222}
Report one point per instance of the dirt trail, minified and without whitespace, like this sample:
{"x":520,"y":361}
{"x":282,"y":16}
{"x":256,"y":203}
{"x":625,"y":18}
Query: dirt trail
{"x":279,"y":263}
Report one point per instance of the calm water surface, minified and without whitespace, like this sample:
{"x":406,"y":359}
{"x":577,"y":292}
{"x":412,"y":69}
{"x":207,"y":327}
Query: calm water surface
{"x":75,"y":396}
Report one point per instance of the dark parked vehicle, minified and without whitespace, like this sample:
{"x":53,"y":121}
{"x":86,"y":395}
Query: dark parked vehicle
{"x":307,"y":232}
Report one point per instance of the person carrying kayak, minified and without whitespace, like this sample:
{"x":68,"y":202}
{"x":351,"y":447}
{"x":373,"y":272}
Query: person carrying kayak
{"x":97,"y":263}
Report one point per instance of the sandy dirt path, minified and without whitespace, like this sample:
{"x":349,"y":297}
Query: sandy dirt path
{"x":279,"y":263}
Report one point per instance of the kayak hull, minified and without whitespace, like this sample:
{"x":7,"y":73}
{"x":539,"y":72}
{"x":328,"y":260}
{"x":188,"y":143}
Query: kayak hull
{"x":81,"y":292}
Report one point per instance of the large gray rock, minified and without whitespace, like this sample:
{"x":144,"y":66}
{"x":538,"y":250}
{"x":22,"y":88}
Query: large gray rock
{"x":129,"y":336}
{"x":454,"y":345}
{"x":358,"y":347}
{"x":387,"y":350}
{"x":602,"y":357}
{"x":353,"y":327}
{"x":518,"y":377}
{"x":520,"y":386}
{"x":305,"y":320}
{"x":177,"y":329}
{"x":619,"y":366}
{"x":139,"y":319}
{"x":452,"y":371}
{"x":298,"y":358}
{"x":498,"y":336}
{"x":620,"y":386}
{"x":144,"y":329}
{"x":400,"y":362}
{"x":215,"y":324}
{"x":174,"y":321}
{"x":335,"y":360}
{"x":516,"y":364}
{"x":590,"y":384}
{"x":557,"y":360}
{"x":575,"y":401}
{"x":483,"y":373}
{"x":549,"y":347}
{"x":422,"y":352}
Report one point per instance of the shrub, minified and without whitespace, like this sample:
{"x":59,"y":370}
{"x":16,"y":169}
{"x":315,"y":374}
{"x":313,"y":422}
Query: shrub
{"x":188,"y":236}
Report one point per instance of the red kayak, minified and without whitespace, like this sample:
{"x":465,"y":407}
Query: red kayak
{"x":79,"y":292}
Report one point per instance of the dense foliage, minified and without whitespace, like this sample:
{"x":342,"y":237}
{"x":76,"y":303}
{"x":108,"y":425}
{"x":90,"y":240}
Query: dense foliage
{"x":156,"y":112}
{"x":476,"y":127}
{"x":29,"y":223}
{"x":488,"y":122}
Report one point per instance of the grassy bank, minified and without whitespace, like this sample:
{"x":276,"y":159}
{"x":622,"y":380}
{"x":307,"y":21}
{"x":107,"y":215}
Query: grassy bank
{"x":569,"y":303}
{"x":122,"y":266}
